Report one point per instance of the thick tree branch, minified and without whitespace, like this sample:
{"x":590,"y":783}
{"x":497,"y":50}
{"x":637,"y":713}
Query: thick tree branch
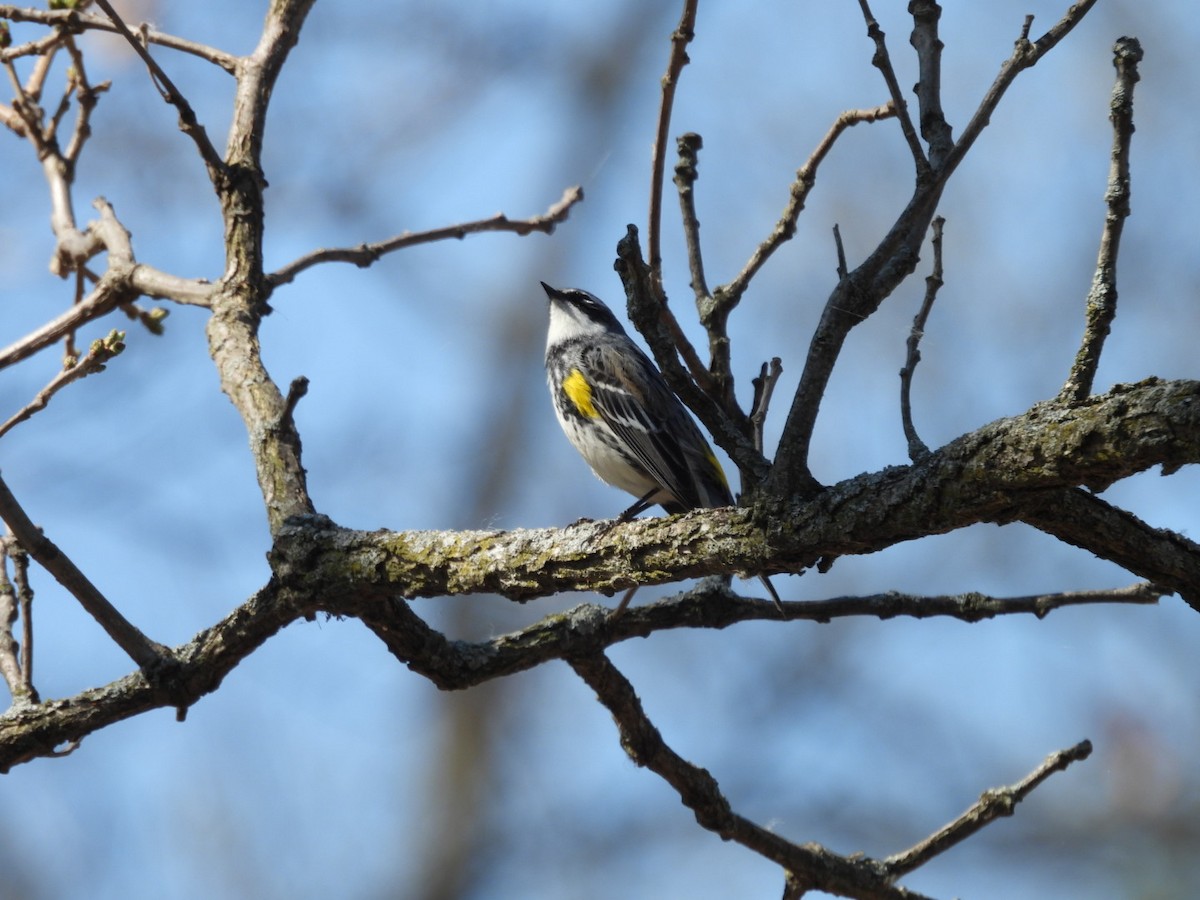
{"x":240,"y":300}
{"x":1012,"y":469}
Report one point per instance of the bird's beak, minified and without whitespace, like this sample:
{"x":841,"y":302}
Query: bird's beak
{"x":551,"y":293}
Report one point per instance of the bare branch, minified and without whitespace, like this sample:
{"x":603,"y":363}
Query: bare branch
{"x":764,"y":389}
{"x":71,"y":20}
{"x":144,"y":652}
{"x":883,"y":62}
{"x":188,"y":123}
{"x":810,"y":864}
{"x":924,"y":39}
{"x":806,"y":179}
{"x":1082,"y":519}
{"x":933,"y":283}
{"x":858,"y":295}
{"x":992,"y":805}
{"x":686,"y":173}
{"x":589,"y":628}
{"x":680,"y":38}
{"x":1102,"y":298}
{"x":365,"y":255}
{"x":86,"y":95}
{"x":840,"y":248}
{"x":94,"y":361}
{"x":14,"y":674}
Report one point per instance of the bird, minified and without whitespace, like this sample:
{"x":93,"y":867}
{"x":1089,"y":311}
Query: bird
{"x":617,"y":410}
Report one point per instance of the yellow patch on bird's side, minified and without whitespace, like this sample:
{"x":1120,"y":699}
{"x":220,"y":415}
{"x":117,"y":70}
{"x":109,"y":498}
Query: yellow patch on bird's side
{"x":716,"y":464}
{"x":579,"y":392}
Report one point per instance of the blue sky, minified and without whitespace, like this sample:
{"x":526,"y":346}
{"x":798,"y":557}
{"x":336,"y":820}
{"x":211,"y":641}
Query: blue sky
{"x":314,"y":769}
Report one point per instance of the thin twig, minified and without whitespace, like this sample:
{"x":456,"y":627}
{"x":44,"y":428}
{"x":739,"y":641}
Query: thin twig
{"x":1102,"y":298}
{"x":87,"y":96}
{"x":143,"y":651}
{"x":296,"y":391}
{"x":840,"y":249}
{"x":764,"y":387}
{"x":71,"y":20}
{"x":365,"y":255}
{"x":686,"y":173}
{"x":20,"y":562}
{"x":933,"y":283}
{"x":188,"y":123}
{"x":680,"y":38}
{"x":10,"y":651}
{"x":992,"y":805}
{"x":883,"y":61}
{"x":93,"y":361}
{"x":806,"y":179}
{"x":709,"y":604}
{"x":717,"y":379}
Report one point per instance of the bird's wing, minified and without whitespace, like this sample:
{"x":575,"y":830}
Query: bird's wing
{"x":625,"y":387}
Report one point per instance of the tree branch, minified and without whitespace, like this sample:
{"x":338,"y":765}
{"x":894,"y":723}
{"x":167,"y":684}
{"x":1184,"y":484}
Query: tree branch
{"x":806,"y":178}
{"x":365,"y":255}
{"x":147,"y":654}
{"x":992,"y":805}
{"x":882,"y":61}
{"x":859,"y":294}
{"x":1102,"y":298}
{"x":94,"y":361}
{"x":188,"y":123}
{"x":811,"y":864}
{"x":71,"y":21}
{"x":239,"y":302}
{"x":933,"y":283}
{"x":680,"y":38}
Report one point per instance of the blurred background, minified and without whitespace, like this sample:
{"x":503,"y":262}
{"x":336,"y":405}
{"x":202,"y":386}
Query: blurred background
{"x":322,"y":767}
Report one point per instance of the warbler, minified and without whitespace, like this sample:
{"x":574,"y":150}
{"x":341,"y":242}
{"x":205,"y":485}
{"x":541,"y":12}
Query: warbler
{"x":616,"y":408}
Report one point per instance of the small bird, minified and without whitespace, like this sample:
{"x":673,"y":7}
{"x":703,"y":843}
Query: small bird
{"x":616,"y":409}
